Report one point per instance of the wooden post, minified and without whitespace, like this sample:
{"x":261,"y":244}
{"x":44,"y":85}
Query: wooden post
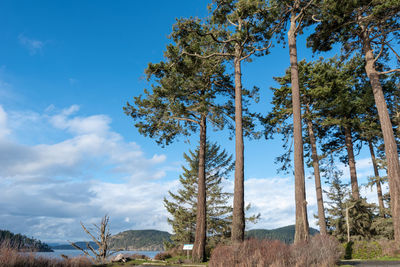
{"x":348,"y":224}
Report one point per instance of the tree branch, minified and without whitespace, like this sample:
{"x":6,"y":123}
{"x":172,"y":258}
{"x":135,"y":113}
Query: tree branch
{"x":208,"y":56}
{"x":389,"y":71}
{"x":380,"y":52}
{"x":394,"y":52}
{"x":186,"y":119}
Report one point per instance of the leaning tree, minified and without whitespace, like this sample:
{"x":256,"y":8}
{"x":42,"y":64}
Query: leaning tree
{"x":371,"y":27}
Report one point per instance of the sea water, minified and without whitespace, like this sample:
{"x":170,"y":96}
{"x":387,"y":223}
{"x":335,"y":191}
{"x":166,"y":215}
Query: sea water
{"x":74,"y":253}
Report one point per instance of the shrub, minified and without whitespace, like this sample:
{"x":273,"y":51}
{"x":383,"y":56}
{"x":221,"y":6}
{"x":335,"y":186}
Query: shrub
{"x":251,"y":252}
{"x":10,"y":257}
{"x":366,"y":250}
{"x":348,"y":250}
{"x":162,"y":256}
{"x":319,"y":251}
{"x":390,"y":248}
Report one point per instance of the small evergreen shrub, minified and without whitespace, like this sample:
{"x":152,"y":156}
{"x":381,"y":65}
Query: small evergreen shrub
{"x":366,"y":250}
{"x":348,"y":250}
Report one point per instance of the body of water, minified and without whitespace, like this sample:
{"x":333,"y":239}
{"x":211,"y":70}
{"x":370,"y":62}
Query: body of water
{"x":74,"y":253}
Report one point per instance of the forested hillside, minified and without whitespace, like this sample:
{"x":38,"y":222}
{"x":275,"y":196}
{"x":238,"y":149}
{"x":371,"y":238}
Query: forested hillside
{"x":284,"y":234}
{"x":140,"y":240}
{"x":22,"y":242}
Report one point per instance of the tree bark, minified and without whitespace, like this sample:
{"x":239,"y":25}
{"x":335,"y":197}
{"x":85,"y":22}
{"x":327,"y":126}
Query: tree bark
{"x":392,"y":157}
{"x":378,"y":182}
{"x":302,"y":228}
{"x":238,"y":221}
{"x":318,"y":188}
{"x":198,"y":253}
{"x":352,"y":163}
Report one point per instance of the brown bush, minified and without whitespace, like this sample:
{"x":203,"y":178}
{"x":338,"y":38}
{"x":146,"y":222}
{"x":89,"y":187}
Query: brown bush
{"x":251,"y":252}
{"x":10,"y":257}
{"x":176,"y":251}
{"x":321,"y":251}
{"x":162,"y":256}
{"x":390,"y":248}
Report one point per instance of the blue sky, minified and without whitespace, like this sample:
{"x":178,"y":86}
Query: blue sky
{"x":68,"y":153}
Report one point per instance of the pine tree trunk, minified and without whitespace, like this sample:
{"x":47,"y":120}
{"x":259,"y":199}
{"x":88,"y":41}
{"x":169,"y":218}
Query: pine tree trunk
{"x":392,"y":157}
{"x":318,"y":188}
{"x":302,"y":228}
{"x":352,"y":163}
{"x":378,"y":182}
{"x":238,"y":221}
{"x":198,"y":253}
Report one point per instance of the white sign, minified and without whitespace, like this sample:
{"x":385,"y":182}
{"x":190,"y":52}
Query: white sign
{"x":187,"y":246}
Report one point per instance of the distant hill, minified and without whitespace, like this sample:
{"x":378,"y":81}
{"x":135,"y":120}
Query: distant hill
{"x":284,"y":234}
{"x":22,"y":242}
{"x":140,"y":240}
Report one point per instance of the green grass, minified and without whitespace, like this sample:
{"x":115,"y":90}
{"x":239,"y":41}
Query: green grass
{"x":174,"y":261}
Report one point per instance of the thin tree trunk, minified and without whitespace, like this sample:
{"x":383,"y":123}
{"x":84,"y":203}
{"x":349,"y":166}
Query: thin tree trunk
{"x":238,"y":221}
{"x":352,"y":163}
{"x":302,"y":228}
{"x":318,"y":188}
{"x":392,"y":157}
{"x":198,"y":253}
{"x":378,"y":182}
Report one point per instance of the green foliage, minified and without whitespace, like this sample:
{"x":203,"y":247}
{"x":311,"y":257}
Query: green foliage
{"x":184,"y":89}
{"x":366,"y":250}
{"x":346,"y":21}
{"x":22,"y":242}
{"x":182,"y":205}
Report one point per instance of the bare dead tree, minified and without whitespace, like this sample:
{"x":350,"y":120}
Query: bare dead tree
{"x":101,"y":236}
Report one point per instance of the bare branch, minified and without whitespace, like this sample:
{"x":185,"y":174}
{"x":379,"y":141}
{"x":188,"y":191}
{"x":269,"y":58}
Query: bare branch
{"x":384,"y":33}
{"x":394,"y":52}
{"x":380,"y":52}
{"x":389,"y":71}
{"x":256,"y":50}
{"x":232,"y":22}
{"x":208,"y":56}
{"x":301,"y":13}
{"x":315,"y":19}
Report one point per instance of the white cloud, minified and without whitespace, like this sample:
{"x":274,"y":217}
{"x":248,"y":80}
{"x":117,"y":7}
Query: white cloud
{"x":4,"y":131}
{"x":34,"y":46}
{"x":47,"y":188}
{"x":273,"y":198}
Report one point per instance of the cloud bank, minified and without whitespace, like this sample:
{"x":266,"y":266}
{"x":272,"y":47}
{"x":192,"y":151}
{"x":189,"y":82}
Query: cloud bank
{"x":58,"y":168}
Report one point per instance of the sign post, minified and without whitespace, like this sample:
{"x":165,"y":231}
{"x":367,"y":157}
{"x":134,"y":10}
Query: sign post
{"x":188,"y":247}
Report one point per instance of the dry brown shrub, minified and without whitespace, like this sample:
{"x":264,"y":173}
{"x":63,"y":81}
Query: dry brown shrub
{"x":162,"y":256}
{"x":10,"y":257}
{"x":390,"y":248}
{"x":251,"y":252}
{"x":321,"y":251}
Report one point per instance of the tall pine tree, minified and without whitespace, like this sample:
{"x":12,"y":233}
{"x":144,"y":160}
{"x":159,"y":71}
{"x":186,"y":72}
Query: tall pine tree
{"x":182,"y":205}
